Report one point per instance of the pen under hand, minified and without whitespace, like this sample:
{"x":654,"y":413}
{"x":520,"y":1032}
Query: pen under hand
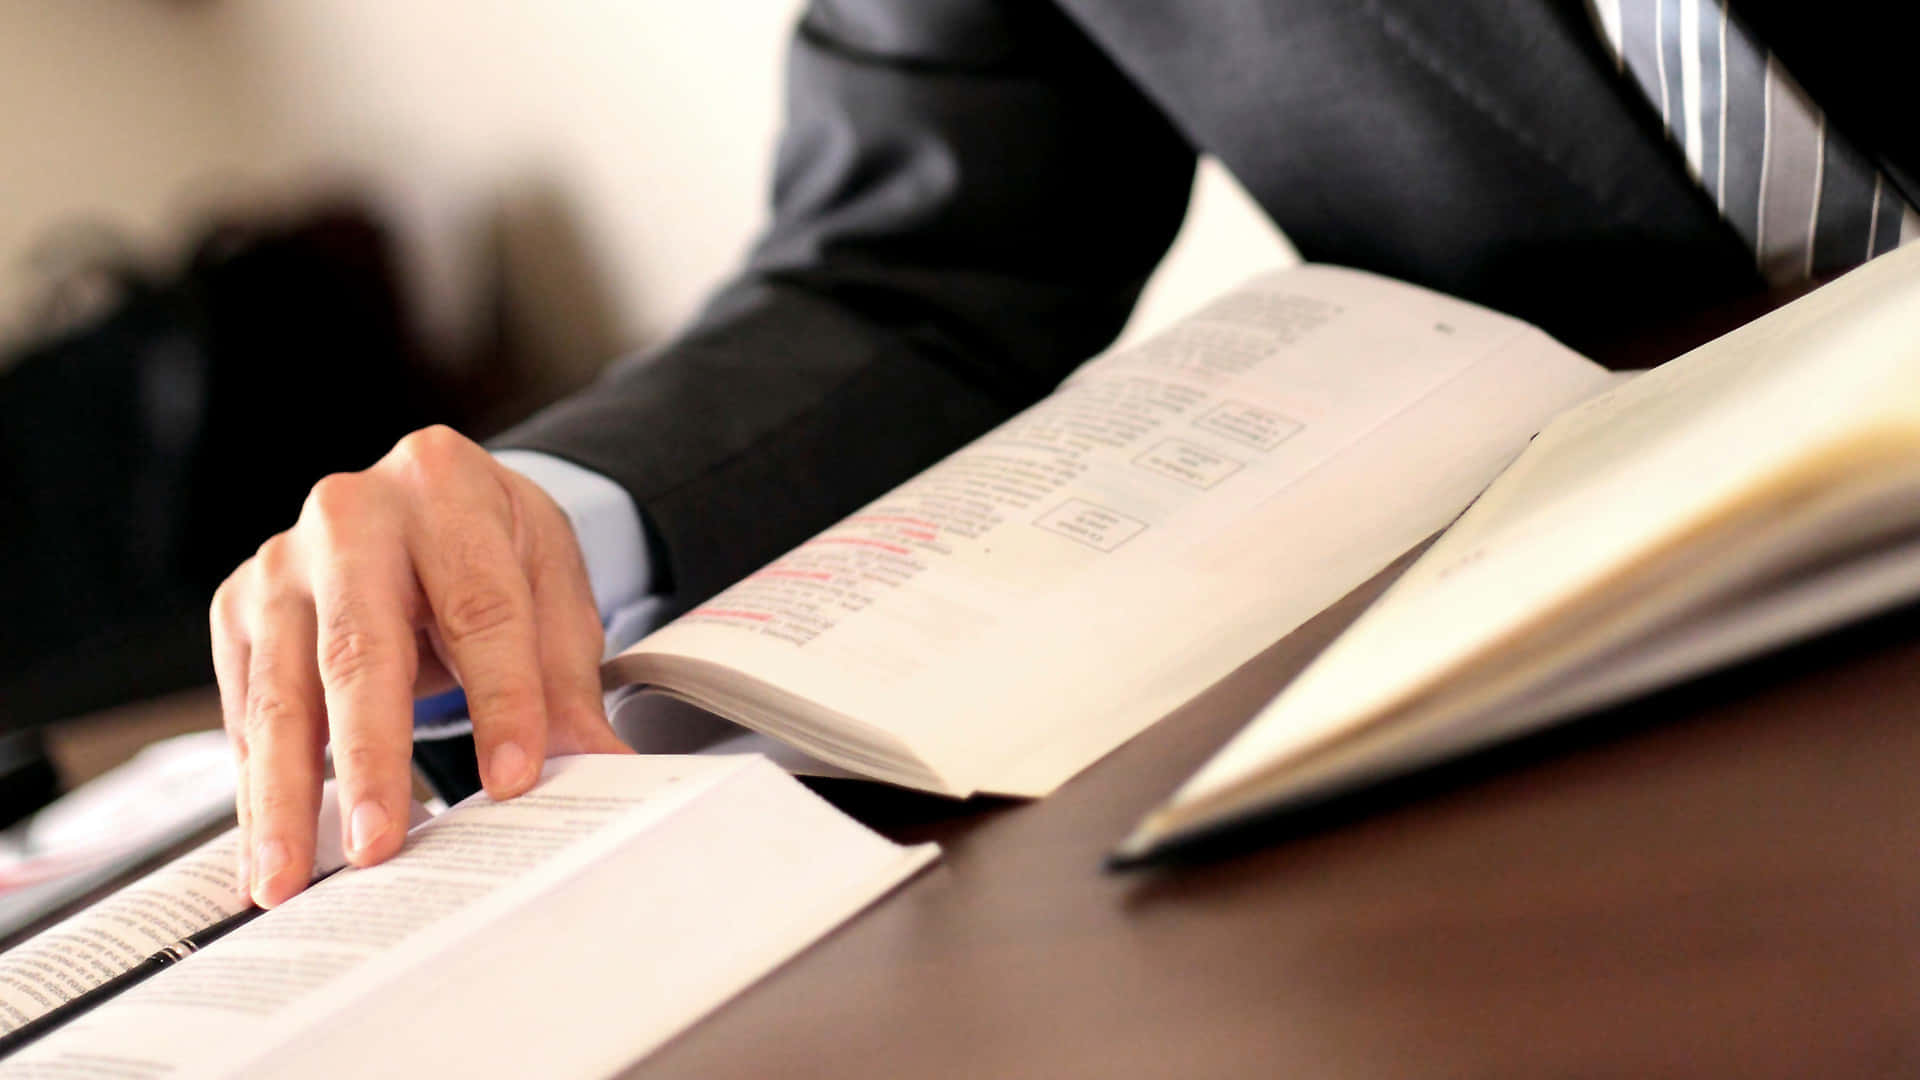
{"x":75,"y":1007}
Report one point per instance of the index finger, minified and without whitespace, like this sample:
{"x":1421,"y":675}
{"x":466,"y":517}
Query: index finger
{"x":363,"y":597}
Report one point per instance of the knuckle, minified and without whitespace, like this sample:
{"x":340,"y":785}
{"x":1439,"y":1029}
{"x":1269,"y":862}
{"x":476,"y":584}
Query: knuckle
{"x":275,"y":557}
{"x":276,"y":802}
{"x":438,"y":438}
{"x":510,"y":702}
{"x":220,"y":610}
{"x":267,"y":709}
{"x":431,"y":451}
{"x":364,"y":759}
{"x":280,"y":605}
{"x":337,"y":497}
{"x":478,"y":612}
{"x":236,"y":737}
{"x":348,"y":654}
{"x":544,"y":515}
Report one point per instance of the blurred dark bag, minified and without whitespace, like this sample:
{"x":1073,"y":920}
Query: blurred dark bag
{"x":145,"y":454}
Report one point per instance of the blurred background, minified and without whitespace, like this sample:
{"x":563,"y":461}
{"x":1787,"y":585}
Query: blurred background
{"x":244,"y":243}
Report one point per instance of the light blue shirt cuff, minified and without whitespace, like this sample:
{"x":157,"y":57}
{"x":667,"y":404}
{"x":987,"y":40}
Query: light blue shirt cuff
{"x":605,"y":523}
{"x":619,"y":567}
{"x":612,"y":543}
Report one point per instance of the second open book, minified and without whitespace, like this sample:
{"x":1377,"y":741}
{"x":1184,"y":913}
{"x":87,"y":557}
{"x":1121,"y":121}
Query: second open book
{"x":1007,"y":617}
{"x":1759,"y":489}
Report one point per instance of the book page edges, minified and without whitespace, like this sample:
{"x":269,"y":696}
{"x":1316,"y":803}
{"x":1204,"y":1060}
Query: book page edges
{"x":752,"y":703}
{"x":1755,"y":617}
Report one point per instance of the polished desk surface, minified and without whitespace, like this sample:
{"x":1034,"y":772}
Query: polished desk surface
{"x":1719,"y":882}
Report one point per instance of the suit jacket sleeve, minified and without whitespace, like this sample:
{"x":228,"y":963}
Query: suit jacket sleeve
{"x":968,"y":198}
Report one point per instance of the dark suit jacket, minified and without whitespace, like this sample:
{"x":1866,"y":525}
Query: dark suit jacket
{"x":970,"y":193}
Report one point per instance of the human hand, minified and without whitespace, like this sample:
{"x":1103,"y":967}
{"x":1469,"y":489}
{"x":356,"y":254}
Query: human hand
{"x":436,"y":566}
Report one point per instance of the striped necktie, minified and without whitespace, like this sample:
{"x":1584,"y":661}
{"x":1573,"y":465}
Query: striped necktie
{"x":1805,"y":199}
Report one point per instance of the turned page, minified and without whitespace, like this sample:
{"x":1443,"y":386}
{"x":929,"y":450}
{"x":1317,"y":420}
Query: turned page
{"x":595,"y":915}
{"x":1042,"y":594}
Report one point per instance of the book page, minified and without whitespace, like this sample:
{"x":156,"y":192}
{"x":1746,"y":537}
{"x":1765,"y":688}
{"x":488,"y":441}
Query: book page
{"x":1227,"y":478}
{"x":66,"y":960}
{"x":183,"y":897}
{"x":648,"y":938}
{"x":1688,"y":461}
{"x":334,"y":982}
{"x":173,"y":789}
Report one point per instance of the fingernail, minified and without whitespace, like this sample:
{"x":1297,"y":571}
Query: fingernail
{"x":508,"y":765}
{"x":269,"y":859}
{"x":368,"y":822}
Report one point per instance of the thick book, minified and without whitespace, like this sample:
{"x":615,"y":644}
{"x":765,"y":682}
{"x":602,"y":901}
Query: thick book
{"x":566,"y":932}
{"x":1758,"y":490}
{"x":1004,"y":619}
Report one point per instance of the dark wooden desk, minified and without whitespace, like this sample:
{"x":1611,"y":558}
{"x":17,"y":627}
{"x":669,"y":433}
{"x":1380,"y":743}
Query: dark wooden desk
{"x":1720,"y":882}
{"x":1729,"y":888}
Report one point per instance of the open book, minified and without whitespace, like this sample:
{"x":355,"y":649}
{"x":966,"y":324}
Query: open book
{"x":566,"y":932}
{"x":1757,"y":490}
{"x":1007,"y":617}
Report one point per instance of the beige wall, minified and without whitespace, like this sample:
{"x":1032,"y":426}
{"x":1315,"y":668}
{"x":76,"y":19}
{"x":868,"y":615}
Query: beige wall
{"x":111,"y":112}
{"x":613,"y":152}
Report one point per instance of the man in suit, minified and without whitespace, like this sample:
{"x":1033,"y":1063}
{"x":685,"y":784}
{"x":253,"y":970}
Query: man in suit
{"x":969,"y":197}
